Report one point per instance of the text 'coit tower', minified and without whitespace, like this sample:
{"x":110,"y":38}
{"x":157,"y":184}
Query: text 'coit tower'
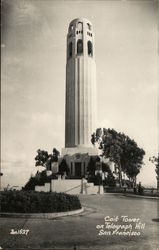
{"x":80,"y":84}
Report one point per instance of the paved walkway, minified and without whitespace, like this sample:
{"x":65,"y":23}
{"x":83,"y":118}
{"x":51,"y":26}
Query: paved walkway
{"x":80,"y":232}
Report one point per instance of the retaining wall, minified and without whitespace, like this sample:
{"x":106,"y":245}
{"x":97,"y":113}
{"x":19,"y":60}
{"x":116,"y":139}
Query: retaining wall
{"x":80,"y":186}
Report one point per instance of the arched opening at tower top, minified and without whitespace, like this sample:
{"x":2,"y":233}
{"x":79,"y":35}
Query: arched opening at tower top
{"x":79,"y":46}
{"x":71,"y":28}
{"x":80,"y":26}
{"x":88,"y":26}
{"x":70,"y":49}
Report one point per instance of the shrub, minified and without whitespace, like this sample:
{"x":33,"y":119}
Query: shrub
{"x":92,"y":164}
{"x":63,"y":167}
{"x":39,"y":179}
{"x":37,"y":202}
{"x":140,"y":189}
{"x":109,"y":180}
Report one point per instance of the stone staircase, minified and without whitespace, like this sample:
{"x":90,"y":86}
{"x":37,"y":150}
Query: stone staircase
{"x":70,"y":187}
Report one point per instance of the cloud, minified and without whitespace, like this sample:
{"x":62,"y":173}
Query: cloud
{"x":20,"y":16}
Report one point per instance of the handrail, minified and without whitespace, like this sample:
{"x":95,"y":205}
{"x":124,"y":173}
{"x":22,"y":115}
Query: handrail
{"x":77,"y":187}
{"x":72,"y":188}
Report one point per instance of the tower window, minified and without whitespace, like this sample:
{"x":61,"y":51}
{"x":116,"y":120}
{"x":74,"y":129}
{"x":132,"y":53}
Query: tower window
{"x":88,"y":33}
{"x":89,"y":26}
{"x":70,"y":49}
{"x":71,"y":28}
{"x":79,"y":46}
{"x":90,"y":49}
{"x":79,"y":26}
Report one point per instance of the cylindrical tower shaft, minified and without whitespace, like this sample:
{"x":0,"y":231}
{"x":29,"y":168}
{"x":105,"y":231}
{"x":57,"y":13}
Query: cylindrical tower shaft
{"x":80,"y":84}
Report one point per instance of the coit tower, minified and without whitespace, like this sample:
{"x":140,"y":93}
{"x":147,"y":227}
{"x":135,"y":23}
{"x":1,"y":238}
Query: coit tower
{"x":80,"y":113}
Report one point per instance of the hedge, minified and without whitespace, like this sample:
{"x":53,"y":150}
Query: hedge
{"x":37,"y":202}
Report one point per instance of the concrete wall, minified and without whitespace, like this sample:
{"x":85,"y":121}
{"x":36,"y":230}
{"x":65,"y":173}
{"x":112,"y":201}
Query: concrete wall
{"x":75,"y":187}
{"x":45,"y":188}
{"x":70,"y":187}
{"x":67,"y":186}
{"x":80,"y":150}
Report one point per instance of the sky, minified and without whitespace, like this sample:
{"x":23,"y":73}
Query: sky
{"x":34,"y":68}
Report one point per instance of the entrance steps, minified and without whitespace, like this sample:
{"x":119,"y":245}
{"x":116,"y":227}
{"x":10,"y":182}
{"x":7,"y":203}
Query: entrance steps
{"x":72,"y":186}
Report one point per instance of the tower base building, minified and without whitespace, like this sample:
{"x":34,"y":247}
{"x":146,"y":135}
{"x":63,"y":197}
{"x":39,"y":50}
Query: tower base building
{"x":77,"y":159}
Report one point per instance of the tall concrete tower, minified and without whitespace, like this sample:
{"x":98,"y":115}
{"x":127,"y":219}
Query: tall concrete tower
{"x":80,"y":84}
{"x":80,"y":113}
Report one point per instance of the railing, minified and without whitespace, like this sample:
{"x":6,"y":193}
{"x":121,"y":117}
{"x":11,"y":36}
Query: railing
{"x":83,"y":188}
{"x":73,"y":188}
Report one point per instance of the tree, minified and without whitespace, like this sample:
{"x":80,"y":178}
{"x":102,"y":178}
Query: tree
{"x":63,"y":167}
{"x":131,"y":159}
{"x":40,"y":178}
{"x":92,"y":164}
{"x":155,"y":160}
{"x":55,"y":154}
{"x":44,"y":159}
{"x":31,"y":183}
{"x":105,"y":167}
{"x":96,"y":179}
{"x":109,"y":180}
{"x":121,"y":150}
{"x":41,"y":158}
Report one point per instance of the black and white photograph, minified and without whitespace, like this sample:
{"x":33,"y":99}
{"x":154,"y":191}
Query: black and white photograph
{"x":79,"y":125}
